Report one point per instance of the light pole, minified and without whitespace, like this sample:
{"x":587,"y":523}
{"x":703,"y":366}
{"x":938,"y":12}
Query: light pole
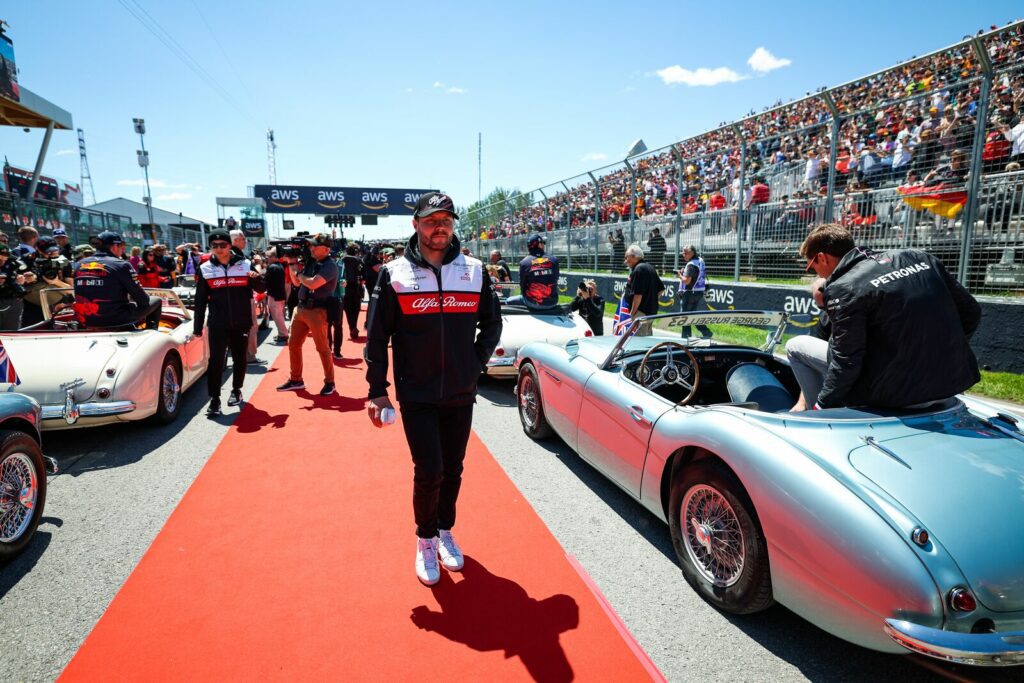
{"x":143,"y":156}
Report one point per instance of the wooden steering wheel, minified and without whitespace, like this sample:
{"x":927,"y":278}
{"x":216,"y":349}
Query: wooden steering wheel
{"x":685,"y":373}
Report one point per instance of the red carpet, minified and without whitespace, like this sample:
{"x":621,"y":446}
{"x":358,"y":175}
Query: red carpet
{"x":291,"y":558}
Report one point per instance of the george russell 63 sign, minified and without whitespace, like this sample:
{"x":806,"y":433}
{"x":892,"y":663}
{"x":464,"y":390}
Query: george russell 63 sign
{"x":334,"y":200}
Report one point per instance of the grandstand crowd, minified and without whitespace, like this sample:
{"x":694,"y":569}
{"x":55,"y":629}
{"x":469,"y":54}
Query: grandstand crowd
{"x":911,"y":125}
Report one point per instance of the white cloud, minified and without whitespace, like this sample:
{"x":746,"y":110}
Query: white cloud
{"x":66,"y":152}
{"x":173,"y":196}
{"x":675,"y":75}
{"x":763,"y":61}
{"x":595,"y":156}
{"x":448,"y":89}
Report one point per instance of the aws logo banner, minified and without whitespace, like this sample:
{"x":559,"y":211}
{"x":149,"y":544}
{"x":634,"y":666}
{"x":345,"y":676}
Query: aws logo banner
{"x":348,"y":200}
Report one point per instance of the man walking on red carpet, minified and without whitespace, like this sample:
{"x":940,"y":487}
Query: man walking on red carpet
{"x":430,"y":304}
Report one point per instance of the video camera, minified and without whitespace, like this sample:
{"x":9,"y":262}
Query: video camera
{"x":295,"y":249}
{"x":48,"y":268}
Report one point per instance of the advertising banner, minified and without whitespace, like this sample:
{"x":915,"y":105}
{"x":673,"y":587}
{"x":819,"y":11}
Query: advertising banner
{"x":253,"y":227}
{"x":8,"y":68}
{"x":338,"y":200}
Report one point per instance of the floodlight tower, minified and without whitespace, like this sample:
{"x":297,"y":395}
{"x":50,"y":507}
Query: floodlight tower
{"x":272,"y":169}
{"x":86,"y":176}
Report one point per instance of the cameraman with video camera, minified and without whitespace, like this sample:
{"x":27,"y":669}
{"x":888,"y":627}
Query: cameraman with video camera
{"x":47,"y":269}
{"x":316,"y":282}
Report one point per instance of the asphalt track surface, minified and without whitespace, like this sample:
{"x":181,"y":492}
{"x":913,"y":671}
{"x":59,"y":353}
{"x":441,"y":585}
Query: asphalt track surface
{"x":119,"y":484}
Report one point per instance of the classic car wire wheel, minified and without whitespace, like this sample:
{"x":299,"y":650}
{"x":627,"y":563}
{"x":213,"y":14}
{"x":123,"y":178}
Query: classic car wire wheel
{"x":18,"y":492}
{"x":528,"y":401}
{"x":170,"y":390}
{"x":713,"y":538}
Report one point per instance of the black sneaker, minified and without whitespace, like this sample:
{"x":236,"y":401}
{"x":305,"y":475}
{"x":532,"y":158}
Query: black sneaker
{"x":235,"y":397}
{"x":328,"y":389}
{"x":292,"y":385}
{"x":214,"y":408}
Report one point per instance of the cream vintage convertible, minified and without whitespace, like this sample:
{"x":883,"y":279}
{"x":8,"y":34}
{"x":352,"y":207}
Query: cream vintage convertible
{"x":84,"y":377}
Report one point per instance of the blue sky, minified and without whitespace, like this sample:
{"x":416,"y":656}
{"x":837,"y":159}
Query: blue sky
{"x":394,"y":94}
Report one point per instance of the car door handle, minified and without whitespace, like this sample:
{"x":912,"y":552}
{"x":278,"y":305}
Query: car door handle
{"x":637,"y":413}
{"x":554,"y":377}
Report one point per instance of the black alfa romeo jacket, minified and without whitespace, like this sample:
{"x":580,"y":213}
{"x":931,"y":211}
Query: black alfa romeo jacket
{"x":443,"y":326}
{"x":227,"y":291}
{"x":900,"y":331}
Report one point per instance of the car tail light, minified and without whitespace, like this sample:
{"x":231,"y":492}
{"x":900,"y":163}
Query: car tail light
{"x":499,"y":351}
{"x":588,"y":333}
{"x":961,"y":600}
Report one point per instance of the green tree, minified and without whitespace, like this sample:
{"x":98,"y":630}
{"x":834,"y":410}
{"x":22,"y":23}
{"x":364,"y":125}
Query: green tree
{"x":500,"y":202}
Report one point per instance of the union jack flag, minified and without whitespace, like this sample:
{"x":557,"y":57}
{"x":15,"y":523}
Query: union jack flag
{"x":621,"y":321}
{"x":8,"y":374}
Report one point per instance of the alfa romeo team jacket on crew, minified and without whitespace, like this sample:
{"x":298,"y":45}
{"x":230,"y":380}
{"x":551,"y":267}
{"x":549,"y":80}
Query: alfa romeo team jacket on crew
{"x":900,"y":330}
{"x":443,"y":326}
{"x":227,"y":291}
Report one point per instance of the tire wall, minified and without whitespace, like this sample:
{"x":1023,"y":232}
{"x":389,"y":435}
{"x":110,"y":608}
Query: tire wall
{"x":998,"y":342}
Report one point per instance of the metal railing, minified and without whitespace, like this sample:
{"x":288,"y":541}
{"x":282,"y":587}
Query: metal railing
{"x":747,"y":193}
{"x":78,"y":223}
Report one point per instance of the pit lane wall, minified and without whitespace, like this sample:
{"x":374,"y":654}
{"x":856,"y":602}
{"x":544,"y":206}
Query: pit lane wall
{"x":998,"y":343}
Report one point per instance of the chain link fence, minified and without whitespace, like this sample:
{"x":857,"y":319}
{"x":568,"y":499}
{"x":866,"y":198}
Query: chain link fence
{"x":926,"y":154}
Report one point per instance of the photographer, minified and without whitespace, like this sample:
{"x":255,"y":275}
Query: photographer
{"x":12,"y":279}
{"x":315,"y":284}
{"x":692,"y":283}
{"x":48,"y":269}
{"x":589,"y":305}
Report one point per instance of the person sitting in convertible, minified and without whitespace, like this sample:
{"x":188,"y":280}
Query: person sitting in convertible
{"x":107,"y":290}
{"x":538,"y":277}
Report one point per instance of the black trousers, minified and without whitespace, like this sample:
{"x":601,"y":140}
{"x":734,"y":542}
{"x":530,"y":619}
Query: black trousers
{"x":151,"y":313}
{"x":334,"y":325}
{"x":238,"y":342}
{"x":351,"y":303}
{"x":437,"y":437}
{"x":694,"y":301}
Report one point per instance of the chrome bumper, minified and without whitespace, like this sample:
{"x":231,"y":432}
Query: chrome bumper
{"x":503,"y":362}
{"x":61,"y":412}
{"x":978,"y":649}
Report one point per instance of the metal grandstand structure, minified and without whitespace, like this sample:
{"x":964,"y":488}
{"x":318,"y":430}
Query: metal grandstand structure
{"x":973,"y":220}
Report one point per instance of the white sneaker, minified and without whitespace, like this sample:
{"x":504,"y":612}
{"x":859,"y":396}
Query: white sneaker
{"x":449,"y":552}
{"x":426,"y":561}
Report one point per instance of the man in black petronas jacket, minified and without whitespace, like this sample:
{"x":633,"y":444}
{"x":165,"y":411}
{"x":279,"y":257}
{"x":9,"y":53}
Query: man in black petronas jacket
{"x":901,"y":324}
{"x":437,"y":308}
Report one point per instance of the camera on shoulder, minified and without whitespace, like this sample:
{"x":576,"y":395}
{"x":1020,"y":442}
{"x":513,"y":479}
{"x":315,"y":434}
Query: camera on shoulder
{"x":295,"y":249}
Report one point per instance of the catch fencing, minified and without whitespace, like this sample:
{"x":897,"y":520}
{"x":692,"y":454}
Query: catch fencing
{"x":918,"y":155}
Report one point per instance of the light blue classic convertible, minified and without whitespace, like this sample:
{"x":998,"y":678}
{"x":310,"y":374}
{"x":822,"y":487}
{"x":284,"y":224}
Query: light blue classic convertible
{"x":896,"y":530}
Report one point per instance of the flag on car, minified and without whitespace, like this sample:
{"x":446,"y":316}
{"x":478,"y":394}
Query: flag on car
{"x":7,"y":372}
{"x":940,"y":199}
{"x":622,"y":317}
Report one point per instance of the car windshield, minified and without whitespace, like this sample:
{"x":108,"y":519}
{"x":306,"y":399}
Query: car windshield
{"x":186,"y":280}
{"x":756,"y":329}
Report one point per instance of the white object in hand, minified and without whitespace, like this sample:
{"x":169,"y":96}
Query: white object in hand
{"x":387,"y":416}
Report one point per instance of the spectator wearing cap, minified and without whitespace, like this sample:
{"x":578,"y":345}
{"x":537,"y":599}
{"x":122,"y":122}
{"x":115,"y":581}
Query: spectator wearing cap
{"x":107,"y":291}
{"x":315,"y":284}
{"x":12,"y":290}
{"x":83,"y":250}
{"x":60,"y":235}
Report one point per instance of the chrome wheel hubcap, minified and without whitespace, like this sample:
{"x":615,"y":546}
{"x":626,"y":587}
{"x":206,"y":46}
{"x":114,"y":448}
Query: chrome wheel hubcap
{"x":528,"y":401}
{"x":170,"y":389}
{"x":18,"y":493}
{"x":712,"y":536}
